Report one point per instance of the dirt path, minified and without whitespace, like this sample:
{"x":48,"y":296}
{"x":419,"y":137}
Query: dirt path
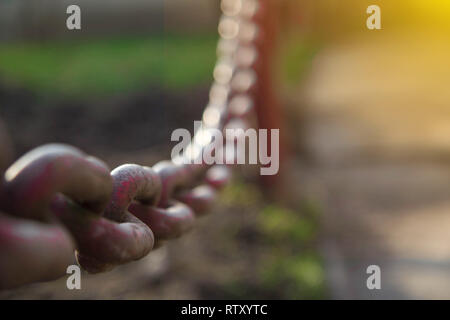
{"x":377,"y":132}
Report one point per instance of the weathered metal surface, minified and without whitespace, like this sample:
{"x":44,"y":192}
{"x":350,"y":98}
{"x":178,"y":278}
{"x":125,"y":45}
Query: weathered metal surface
{"x":118,"y":237}
{"x":56,"y":199}
{"x":32,"y":251}
{"x":30,"y":184}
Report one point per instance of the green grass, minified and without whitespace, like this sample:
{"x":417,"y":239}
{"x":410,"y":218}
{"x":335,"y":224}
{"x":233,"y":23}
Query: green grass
{"x":98,"y":67}
{"x":295,"y":265}
{"x":296,"y":55}
{"x":104,"y":66}
{"x":290,"y":266}
{"x":188,"y":60}
{"x":282,"y":224}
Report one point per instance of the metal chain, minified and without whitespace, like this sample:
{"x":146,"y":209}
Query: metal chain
{"x":55,"y":199}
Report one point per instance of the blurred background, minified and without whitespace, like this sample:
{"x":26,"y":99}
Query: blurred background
{"x":367,"y":116}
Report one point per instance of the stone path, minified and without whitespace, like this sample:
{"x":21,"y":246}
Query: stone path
{"x":377,"y":132}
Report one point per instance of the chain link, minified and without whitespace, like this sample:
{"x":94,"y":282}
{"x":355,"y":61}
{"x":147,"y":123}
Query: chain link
{"x":56,"y":200}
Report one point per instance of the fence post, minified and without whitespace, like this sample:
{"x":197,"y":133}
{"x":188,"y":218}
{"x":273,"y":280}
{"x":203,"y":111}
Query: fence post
{"x":267,"y":106}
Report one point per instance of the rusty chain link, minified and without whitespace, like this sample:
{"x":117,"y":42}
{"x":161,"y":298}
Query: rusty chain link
{"x":55,"y":199}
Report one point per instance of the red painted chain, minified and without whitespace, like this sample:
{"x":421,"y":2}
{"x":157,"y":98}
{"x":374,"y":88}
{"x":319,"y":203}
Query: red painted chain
{"x":56,"y":199}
